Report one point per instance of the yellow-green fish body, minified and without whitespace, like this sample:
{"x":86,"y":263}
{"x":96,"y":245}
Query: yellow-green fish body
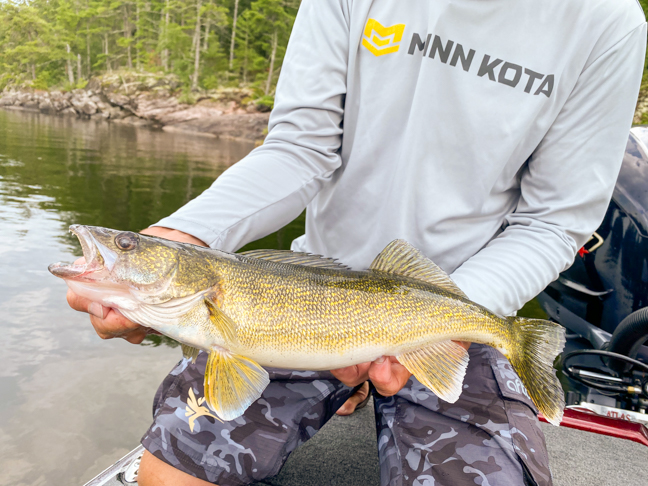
{"x":296,"y":311}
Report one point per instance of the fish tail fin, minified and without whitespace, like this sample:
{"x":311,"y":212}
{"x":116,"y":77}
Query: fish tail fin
{"x":538,"y":342}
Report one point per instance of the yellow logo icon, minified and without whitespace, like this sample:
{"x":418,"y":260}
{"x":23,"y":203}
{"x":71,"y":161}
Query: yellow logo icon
{"x":195,"y":409}
{"x":382,"y":40}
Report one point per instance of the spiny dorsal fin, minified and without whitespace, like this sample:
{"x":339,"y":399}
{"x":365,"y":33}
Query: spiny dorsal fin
{"x":223,"y":323}
{"x":401,"y":258}
{"x":441,"y":367}
{"x":232,"y":383}
{"x":296,"y":258}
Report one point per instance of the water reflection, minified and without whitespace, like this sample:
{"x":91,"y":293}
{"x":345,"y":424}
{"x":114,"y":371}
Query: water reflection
{"x":70,"y":404}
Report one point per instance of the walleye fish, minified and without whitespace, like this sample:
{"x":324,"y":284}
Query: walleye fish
{"x":305,"y":312}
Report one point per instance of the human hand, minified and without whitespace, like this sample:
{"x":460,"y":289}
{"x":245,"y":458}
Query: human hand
{"x":386,"y":373}
{"x":109,"y":323}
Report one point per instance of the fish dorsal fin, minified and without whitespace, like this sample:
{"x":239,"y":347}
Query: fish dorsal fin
{"x":232,"y":383}
{"x":296,"y":258}
{"x":401,"y":258}
{"x":441,"y":367}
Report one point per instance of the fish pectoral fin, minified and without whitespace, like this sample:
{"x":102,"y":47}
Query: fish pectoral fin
{"x":232,"y":383}
{"x":441,"y":367}
{"x":401,"y":258}
{"x":222,"y":322}
{"x":189,"y":352}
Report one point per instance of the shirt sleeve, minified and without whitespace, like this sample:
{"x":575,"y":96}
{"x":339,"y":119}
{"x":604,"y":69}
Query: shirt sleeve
{"x":274,"y":183}
{"x":566,"y":185}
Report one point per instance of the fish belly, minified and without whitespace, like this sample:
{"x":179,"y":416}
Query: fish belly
{"x":306,"y":360}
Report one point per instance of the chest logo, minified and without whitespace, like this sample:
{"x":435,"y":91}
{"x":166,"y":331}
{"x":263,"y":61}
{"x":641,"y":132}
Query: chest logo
{"x":380,"y":40}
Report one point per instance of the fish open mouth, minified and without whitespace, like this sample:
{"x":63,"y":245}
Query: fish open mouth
{"x":97,"y":258}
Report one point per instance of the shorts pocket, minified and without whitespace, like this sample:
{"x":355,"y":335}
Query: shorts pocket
{"x":509,"y":382}
{"x":526,"y":434}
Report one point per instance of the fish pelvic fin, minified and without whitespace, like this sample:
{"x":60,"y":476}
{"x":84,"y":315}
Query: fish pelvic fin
{"x":401,"y":258}
{"x":537,"y":343}
{"x":189,"y":352}
{"x":232,"y":383}
{"x":440,"y":366}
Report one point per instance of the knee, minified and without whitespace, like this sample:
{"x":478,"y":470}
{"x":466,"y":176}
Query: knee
{"x":155,"y":472}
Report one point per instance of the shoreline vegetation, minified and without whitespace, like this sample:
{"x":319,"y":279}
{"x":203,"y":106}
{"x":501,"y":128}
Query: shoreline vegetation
{"x":152,"y":100}
{"x":201,"y":66}
{"x":205,"y":66}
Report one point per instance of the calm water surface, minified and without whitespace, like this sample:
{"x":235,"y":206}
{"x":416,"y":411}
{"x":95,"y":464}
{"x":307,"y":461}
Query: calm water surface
{"x":70,"y":403}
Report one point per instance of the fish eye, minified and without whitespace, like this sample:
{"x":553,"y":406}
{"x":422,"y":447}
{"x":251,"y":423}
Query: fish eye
{"x":126,"y":241}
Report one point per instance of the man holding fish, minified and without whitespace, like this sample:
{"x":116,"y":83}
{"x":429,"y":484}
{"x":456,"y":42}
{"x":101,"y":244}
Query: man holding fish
{"x":486,"y":134}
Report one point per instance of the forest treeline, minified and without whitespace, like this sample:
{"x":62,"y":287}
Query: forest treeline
{"x":206,"y":43}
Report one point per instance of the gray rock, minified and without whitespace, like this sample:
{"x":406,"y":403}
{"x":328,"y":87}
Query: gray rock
{"x":101,"y":106}
{"x":100,"y":115}
{"x":7,"y":100}
{"x":46,"y":106}
{"x":135,"y":121}
{"x":83,"y":105}
{"x":120,"y":100}
{"x":68,"y":112}
{"x":23,"y":98}
{"x":89,"y":108}
{"x":60,"y":104}
{"x":115,"y":113}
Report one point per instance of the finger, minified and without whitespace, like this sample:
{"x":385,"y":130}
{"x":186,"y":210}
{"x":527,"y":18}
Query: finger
{"x":171,"y":234}
{"x":354,"y":400}
{"x":352,"y":375}
{"x":113,"y":325}
{"x":388,"y":376}
{"x":348,"y":375}
{"x":77,"y":302}
{"x":380,"y":372}
{"x":463,"y":344}
{"x":137,"y":336}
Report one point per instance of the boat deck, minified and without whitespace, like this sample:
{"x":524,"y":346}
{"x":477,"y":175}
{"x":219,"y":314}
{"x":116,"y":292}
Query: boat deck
{"x":343,"y":453}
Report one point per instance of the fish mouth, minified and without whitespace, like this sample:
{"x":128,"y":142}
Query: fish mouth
{"x":98,"y":258}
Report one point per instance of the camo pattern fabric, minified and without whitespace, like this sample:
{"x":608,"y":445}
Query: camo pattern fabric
{"x":185,"y":434}
{"x":489,"y":437}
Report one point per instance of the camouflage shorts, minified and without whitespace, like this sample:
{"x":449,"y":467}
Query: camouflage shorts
{"x":490,"y":436}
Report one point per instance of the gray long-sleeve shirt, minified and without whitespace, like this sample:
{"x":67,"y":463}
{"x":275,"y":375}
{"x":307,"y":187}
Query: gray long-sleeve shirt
{"x":487,"y":133}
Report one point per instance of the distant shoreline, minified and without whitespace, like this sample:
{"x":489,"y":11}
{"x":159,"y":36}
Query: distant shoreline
{"x":222,"y":113}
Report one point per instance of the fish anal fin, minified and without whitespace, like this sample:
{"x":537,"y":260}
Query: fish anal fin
{"x":222,"y":322}
{"x":441,"y":367}
{"x":189,"y":352}
{"x":295,"y":258}
{"x":401,"y":258}
{"x":232,"y":383}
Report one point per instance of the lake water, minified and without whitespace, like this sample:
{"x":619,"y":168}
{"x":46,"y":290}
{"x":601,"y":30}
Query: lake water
{"x":70,"y":403}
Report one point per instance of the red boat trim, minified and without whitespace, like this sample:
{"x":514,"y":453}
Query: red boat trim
{"x":591,"y":422}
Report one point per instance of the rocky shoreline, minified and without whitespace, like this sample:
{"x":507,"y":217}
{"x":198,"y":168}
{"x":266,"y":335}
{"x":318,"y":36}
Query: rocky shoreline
{"x":154,"y":101}
{"x":144,"y":99}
